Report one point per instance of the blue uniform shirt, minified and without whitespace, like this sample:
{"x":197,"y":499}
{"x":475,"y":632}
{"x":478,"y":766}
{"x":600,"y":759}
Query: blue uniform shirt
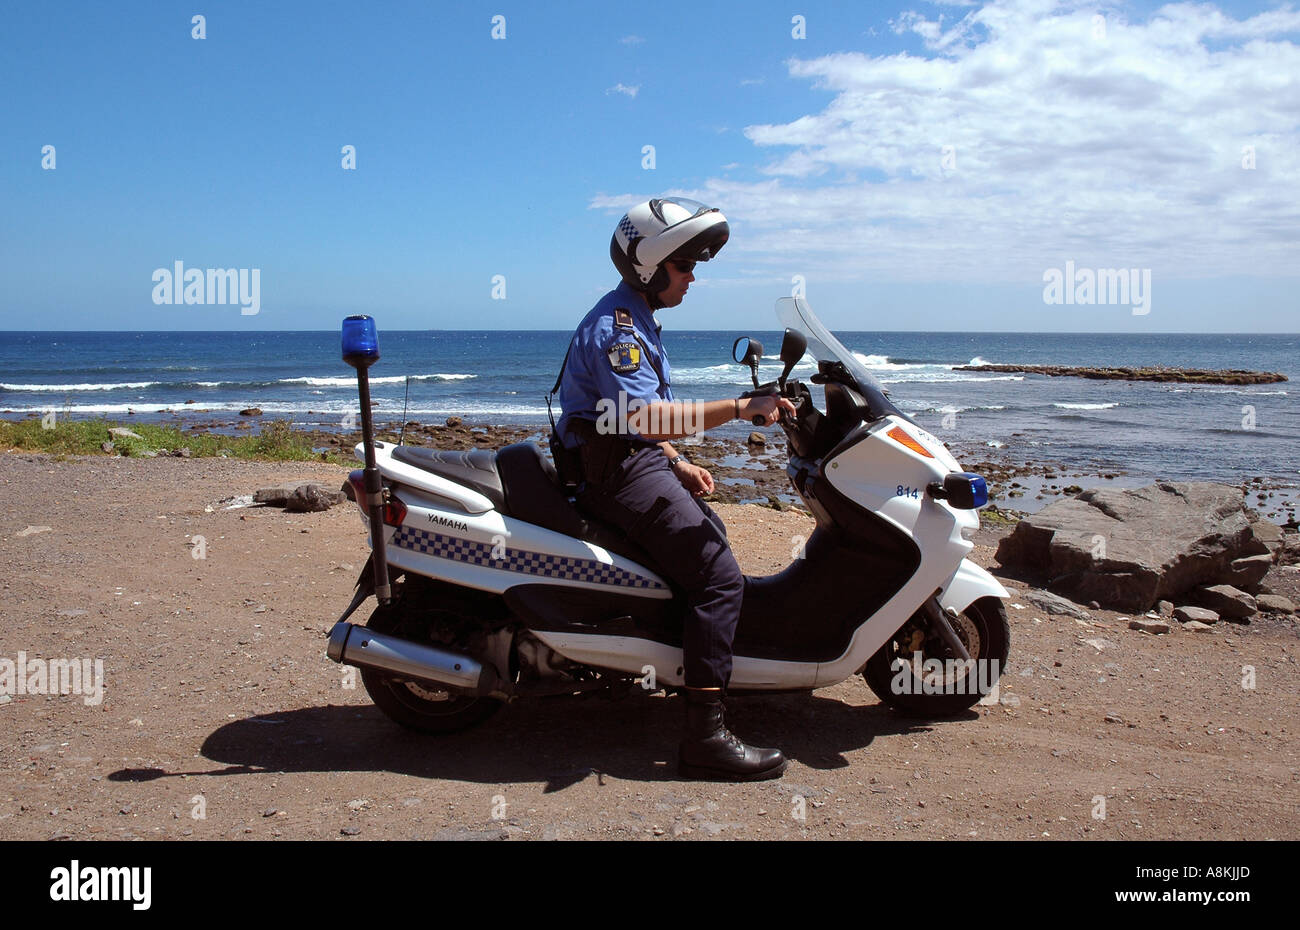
{"x":607,"y":359}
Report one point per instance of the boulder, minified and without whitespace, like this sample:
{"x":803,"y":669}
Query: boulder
{"x":1148,"y":626}
{"x":1267,"y":538}
{"x":1275,"y":604}
{"x":1228,"y":602}
{"x":121,"y":432}
{"x":1129,"y":548}
{"x":1249,"y":571}
{"x":299,"y":497}
{"x":251,"y":412}
{"x":309,"y":498}
{"x":1199,"y":614}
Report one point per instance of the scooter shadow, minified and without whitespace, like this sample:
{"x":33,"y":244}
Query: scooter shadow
{"x":559,"y":741}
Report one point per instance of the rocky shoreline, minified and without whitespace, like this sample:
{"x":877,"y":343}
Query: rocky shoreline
{"x":1152,"y":373}
{"x":747,"y":471}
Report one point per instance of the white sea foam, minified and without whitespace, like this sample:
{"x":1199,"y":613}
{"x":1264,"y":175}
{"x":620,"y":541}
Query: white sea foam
{"x":1086,"y":406}
{"x":386,"y":379}
{"x":113,"y":386}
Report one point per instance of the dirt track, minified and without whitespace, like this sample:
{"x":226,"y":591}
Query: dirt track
{"x":218,"y":696}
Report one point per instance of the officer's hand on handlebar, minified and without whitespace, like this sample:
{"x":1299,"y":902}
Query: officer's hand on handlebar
{"x":765,"y":409}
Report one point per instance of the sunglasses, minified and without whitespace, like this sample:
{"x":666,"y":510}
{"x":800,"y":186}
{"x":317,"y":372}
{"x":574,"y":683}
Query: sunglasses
{"x":683,"y":267}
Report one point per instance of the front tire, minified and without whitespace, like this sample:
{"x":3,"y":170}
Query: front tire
{"x":905,"y":676}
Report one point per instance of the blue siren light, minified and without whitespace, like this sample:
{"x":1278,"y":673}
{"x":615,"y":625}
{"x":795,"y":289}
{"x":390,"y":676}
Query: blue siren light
{"x":966,"y":490}
{"x":360,"y":341}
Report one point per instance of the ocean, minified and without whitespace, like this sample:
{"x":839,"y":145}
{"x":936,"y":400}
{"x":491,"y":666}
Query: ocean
{"x":1179,"y":431}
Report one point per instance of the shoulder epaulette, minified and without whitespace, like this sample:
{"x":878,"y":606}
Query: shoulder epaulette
{"x":623,"y":319}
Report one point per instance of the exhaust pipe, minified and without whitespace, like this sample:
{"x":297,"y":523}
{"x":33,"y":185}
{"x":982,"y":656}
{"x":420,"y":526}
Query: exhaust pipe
{"x":353,"y":645}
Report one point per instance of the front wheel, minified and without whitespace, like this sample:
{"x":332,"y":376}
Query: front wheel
{"x":913,"y":675}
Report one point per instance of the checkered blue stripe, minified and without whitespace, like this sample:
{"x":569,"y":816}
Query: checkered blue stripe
{"x":541,"y":564}
{"x":625,"y":225}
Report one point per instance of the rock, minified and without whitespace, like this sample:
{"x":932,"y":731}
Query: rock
{"x":454,"y":421}
{"x":1275,"y":604}
{"x":251,"y":412}
{"x":350,"y":831}
{"x":312,"y":498}
{"x":1127,"y":548}
{"x":183,"y":452}
{"x":1114,"y":718}
{"x":106,"y":446}
{"x":273,"y":497}
{"x":33,"y":530}
{"x":1054,"y":603}
{"x":1188,"y":614}
{"x":1266,"y":537}
{"x":1148,"y":626}
{"x":1228,"y":602}
{"x":1166,"y":608}
{"x":121,"y":432}
{"x":299,"y":497}
{"x":1198,"y":627}
{"x":756,"y":439}
{"x":1249,"y":571}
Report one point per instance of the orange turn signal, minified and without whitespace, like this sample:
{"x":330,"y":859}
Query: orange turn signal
{"x":901,"y":436}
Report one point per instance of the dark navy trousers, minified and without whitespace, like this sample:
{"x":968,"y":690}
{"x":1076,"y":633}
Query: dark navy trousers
{"x":689,"y":542}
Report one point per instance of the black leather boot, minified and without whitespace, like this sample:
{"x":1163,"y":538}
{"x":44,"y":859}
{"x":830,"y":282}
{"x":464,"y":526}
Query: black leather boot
{"x":711,"y":751}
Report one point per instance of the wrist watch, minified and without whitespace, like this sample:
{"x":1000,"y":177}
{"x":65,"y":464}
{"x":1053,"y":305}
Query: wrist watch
{"x":672,"y":462}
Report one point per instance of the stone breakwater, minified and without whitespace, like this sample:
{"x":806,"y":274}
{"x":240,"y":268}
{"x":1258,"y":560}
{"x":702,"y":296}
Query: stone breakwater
{"x":1153,"y":373}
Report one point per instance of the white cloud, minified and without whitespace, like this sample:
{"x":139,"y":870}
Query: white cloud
{"x":1118,"y":145}
{"x":631,"y":40}
{"x":621,"y":88}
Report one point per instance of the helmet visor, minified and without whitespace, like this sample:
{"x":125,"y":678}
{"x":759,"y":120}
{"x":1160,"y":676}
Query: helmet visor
{"x":673,"y":210}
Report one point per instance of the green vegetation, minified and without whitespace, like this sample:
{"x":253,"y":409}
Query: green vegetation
{"x":276,"y":440}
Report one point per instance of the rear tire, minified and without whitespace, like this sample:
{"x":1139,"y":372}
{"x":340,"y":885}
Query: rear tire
{"x":891,"y":672}
{"x":423,"y":706}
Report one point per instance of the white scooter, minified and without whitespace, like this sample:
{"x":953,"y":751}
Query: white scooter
{"x":502,"y":589}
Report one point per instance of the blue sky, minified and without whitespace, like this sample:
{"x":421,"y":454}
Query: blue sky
{"x":918,"y":166}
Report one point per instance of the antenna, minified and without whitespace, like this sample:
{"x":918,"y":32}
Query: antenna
{"x":402,"y":435}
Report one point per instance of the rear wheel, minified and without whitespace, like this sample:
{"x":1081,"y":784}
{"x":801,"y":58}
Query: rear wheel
{"x":423,"y":706}
{"x":914,"y":674}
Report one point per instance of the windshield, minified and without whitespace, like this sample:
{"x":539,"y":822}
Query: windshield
{"x":794,"y":313}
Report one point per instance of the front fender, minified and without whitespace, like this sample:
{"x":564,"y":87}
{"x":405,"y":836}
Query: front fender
{"x":967,"y":585}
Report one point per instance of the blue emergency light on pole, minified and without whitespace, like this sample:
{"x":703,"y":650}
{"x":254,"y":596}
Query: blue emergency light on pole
{"x":361,"y":350}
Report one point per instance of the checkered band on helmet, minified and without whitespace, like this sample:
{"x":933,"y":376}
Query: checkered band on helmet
{"x":627,"y":229}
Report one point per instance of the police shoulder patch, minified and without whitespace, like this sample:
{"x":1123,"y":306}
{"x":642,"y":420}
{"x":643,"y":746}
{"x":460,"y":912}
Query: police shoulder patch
{"x":625,"y":357}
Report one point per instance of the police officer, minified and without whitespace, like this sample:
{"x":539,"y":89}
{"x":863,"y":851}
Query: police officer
{"x":619,"y":417}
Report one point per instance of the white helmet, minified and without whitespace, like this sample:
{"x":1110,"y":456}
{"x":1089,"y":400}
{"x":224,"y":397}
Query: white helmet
{"x":670,"y":228}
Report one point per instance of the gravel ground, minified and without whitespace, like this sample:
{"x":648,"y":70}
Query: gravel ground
{"x":221,"y":717}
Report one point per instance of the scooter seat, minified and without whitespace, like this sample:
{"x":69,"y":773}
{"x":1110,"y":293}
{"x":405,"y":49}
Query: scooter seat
{"x":475,"y":468}
{"x":533,"y":493}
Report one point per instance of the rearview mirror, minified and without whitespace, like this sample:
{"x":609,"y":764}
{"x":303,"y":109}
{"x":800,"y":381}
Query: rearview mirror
{"x":793,"y":347}
{"x":748,"y":351}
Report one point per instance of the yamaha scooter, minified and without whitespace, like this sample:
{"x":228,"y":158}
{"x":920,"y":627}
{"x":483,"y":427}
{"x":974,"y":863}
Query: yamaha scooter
{"x":493,"y":587}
